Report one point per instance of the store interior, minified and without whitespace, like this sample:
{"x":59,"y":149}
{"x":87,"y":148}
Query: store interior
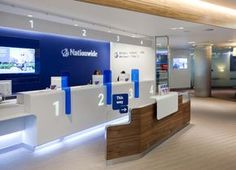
{"x":74,"y":39}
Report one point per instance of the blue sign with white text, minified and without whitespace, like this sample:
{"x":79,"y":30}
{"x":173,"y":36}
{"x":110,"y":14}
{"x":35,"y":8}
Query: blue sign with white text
{"x":124,"y":109}
{"x":119,"y":101}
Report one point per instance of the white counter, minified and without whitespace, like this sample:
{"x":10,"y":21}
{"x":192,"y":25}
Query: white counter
{"x":46,"y":120}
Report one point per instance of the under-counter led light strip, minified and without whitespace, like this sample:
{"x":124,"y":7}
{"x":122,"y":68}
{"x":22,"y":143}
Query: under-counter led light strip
{"x":11,"y":139}
{"x":15,"y":138}
{"x":83,"y":135}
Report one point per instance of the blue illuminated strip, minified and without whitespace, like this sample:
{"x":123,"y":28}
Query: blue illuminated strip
{"x":135,"y":80}
{"x":107,"y":81}
{"x":64,"y":81}
{"x":67,"y":90}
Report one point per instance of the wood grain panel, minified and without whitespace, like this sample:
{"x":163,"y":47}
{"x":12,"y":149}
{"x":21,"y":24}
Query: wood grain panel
{"x":226,"y":3}
{"x":144,"y":130}
{"x":183,"y":10}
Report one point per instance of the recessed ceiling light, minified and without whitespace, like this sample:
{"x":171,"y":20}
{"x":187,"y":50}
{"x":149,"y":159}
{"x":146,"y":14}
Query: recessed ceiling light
{"x":191,"y":42}
{"x":29,"y":15}
{"x":141,"y":42}
{"x":177,"y":28}
{"x":76,"y":25}
{"x":133,"y":36}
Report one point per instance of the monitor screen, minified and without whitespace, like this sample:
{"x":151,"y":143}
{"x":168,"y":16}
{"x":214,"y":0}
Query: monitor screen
{"x":17,"y":60}
{"x":180,"y":63}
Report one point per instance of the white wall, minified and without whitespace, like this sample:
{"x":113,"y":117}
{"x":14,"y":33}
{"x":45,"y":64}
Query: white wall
{"x":127,"y":57}
{"x":180,"y":78}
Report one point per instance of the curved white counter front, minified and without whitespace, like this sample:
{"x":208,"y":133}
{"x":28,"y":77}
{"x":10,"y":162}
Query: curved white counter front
{"x":166,"y":104}
{"x":44,"y":111}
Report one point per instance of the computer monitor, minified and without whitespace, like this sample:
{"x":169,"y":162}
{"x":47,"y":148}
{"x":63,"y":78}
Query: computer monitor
{"x":124,"y":77}
{"x":97,"y":79}
{"x":56,"y":81}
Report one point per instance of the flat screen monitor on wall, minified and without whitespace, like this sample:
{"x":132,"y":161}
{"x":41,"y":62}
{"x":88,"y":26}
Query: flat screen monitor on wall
{"x":180,"y":63}
{"x":14,"y":60}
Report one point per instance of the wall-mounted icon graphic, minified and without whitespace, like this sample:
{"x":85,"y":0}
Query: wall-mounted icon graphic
{"x":116,"y":55}
{"x":65,"y":52}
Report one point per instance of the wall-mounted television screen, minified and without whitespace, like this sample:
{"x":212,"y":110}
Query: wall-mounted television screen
{"x":180,"y":63}
{"x":17,"y":60}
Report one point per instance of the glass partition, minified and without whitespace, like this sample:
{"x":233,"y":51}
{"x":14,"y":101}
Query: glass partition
{"x":162,"y":60}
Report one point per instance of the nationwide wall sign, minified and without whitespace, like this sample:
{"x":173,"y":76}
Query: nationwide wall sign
{"x":71,"y":52}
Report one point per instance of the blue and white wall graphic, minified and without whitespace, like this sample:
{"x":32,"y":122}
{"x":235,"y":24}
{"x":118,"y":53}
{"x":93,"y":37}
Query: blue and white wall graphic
{"x":57,"y":55}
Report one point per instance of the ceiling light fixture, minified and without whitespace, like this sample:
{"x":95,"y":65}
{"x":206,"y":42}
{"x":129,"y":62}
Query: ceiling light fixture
{"x":191,"y":42}
{"x":141,"y":42}
{"x":76,"y":25}
{"x":30,"y":16}
{"x":177,"y":28}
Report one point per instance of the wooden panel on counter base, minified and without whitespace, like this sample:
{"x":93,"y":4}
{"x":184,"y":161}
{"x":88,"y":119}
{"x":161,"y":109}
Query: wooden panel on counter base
{"x":144,"y":131}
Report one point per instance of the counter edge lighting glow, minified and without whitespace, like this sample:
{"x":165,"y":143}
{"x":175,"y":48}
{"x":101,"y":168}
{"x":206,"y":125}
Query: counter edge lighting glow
{"x":13,"y":139}
{"x":10,"y":140}
{"x":82,"y":135}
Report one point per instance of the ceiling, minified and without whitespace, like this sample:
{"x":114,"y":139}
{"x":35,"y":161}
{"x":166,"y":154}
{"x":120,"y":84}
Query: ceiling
{"x":226,"y":3}
{"x":135,"y":22}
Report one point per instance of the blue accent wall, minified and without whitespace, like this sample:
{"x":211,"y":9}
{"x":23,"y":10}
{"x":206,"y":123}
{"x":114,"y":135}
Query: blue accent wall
{"x":51,"y":62}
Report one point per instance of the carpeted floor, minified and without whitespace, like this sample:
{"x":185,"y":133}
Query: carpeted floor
{"x":227,"y":94}
{"x":208,"y":143}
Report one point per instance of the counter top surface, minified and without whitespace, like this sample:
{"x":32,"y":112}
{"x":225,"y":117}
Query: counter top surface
{"x":10,"y":109}
{"x":82,"y":87}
